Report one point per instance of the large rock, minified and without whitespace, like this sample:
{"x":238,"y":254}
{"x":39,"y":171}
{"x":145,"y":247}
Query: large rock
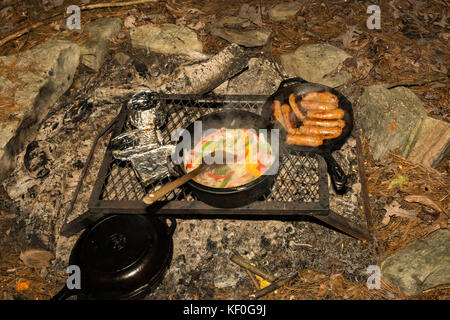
{"x":390,"y":119}
{"x":286,"y":10}
{"x":240,"y":31}
{"x":167,"y":38}
{"x":30,"y":84}
{"x":318,"y":63}
{"x":93,"y":52}
{"x":420,"y":266}
{"x":432,"y":143}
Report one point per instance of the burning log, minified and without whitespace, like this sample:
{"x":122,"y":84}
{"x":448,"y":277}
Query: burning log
{"x":206,"y":76}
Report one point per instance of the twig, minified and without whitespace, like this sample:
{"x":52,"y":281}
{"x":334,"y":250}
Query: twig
{"x":280,"y":282}
{"x":240,"y":261}
{"x":82,"y":8}
{"x":252,"y":277}
{"x":113,"y":5}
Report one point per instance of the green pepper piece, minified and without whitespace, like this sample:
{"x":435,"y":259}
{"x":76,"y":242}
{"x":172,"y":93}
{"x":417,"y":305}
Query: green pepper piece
{"x":225,"y":182}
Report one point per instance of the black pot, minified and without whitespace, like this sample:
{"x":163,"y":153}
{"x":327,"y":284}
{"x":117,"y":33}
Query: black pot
{"x":241,"y":195}
{"x":121,"y":257}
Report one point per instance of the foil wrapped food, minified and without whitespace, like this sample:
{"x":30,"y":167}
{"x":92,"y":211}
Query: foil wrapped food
{"x":145,"y":110}
{"x":143,"y":146}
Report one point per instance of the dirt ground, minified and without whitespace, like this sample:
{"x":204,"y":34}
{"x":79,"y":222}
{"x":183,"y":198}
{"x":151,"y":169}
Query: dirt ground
{"x":411,"y":49}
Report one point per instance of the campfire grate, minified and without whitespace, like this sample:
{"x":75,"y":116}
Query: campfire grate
{"x":301,"y":187}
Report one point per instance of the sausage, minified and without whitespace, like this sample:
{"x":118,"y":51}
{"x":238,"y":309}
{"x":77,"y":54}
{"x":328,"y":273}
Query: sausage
{"x":294,"y":106}
{"x":325,"y":115}
{"x":277,"y":114}
{"x":323,"y":96}
{"x":317,"y":105}
{"x":324,"y":123}
{"x":286,"y":112}
{"x":303,"y":140}
{"x":326,"y":133}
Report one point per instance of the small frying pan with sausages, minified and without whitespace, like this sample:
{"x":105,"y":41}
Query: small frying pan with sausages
{"x":317,"y":122}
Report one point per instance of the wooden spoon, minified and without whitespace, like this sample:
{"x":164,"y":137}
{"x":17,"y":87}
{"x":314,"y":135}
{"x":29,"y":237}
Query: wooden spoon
{"x":158,"y":194}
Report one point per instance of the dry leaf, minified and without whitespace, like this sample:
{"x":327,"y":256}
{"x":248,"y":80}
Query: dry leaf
{"x":130,"y":22}
{"x":349,"y":36}
{"x":394,"y":209}
{"x":251,"y":13}
{"x":425,"y":201}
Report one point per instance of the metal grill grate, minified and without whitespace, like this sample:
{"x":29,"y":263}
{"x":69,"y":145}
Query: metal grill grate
{"x":300,"y":187}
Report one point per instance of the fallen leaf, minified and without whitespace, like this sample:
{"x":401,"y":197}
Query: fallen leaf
{"x":425,"y":201}
{"x":349,"y":36}
{"x":130,"y":22}
{"x":251,"y":13}
{"x":393,"y":125}
{"x":262,"y":282}
{"x":394,"y":209}
{"x":23,"y":285}
{"x":399,"y":180}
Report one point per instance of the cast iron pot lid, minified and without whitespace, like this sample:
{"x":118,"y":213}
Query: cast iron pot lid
{"x":123,"y":256}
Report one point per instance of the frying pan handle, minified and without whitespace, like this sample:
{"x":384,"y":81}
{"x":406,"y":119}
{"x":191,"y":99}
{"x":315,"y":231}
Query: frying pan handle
{"x":338,"y":176}
{"x":63,"y":294}
{"x":291,"y":80}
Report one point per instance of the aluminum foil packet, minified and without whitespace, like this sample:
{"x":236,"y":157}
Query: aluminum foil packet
{"x":145,"y":110}
{"x":153,"y":165}
{"x":129,"y":144}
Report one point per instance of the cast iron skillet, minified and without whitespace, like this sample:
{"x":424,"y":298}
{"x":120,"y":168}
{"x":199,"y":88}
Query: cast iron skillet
{"x":299,"y":87}
{"x":121,"y":257}
{"x":241,"y":195}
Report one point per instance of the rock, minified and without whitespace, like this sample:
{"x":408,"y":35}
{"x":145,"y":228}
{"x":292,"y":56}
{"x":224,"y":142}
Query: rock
{"x":318,"y":63}
{"x":390,"y":119}
{"x":94,"y":51}
{"x":121,"y":58}
{"x":37,"y":78}
{"x":167,"y":38}
{"x":420,"y":266}
{"x":432,"y":143}
{"x":240,"y":31}
{"x":261,"y":73}
{"x":284,"y":11}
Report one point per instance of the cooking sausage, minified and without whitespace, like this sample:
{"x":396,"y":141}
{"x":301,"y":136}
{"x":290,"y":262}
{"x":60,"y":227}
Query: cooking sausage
{"x":277,"y":114}
{"x":326,"y":133}
{"x":286,"y":111}
{"x":324,"y":123}
{"x":325,"y":115}
{"x":323,"y":96}
{"x":294,"y":106}
{"x":303,"y":140}
{"x":317,"y":105}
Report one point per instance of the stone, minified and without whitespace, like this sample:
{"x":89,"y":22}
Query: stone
{"x":318,"y":63}
{"x":420,"y":266}
{"x":261,"y":73}
{"x":240,"y":31}
{"x":121,"y":58}
{"x":30,"y":84}
{"x":286,"y":10}
{"x":390,"y":119}
{"x":432,"y":144}
{"x":167,"y":38}
{"x":93,"y":52}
